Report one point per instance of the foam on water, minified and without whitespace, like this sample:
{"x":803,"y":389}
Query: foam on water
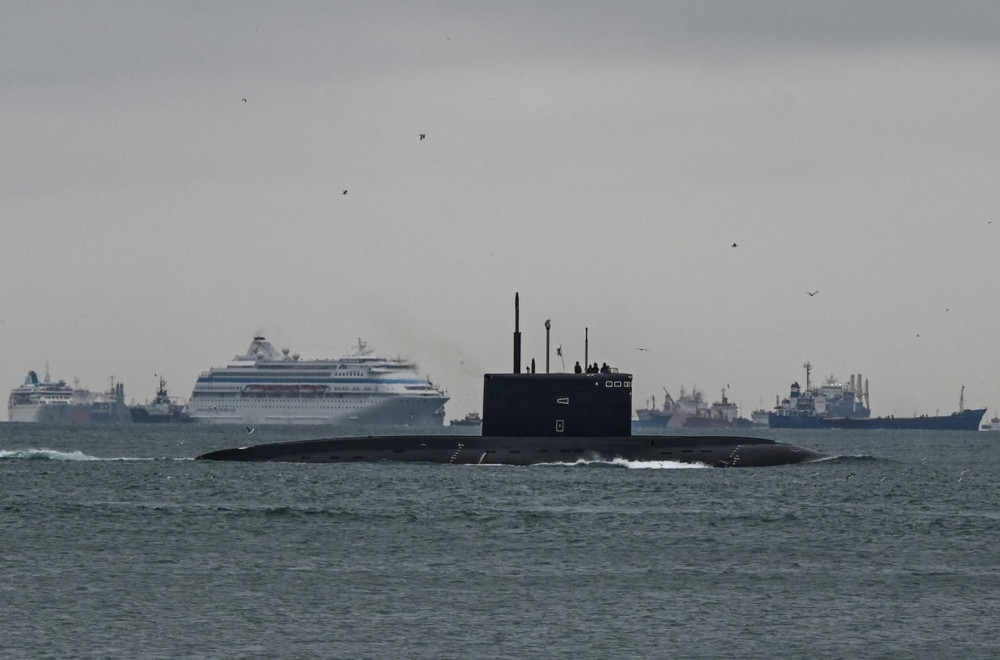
{"x":56,"y":455}
{"x":634,"y":465}
{"x":658,"y":465}
{"x":843,"y":458}
{"x":47,"y":455}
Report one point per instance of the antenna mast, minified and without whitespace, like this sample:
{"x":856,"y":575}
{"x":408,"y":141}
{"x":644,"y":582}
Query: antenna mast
{"x":517,"y":333}
{"x":548,"y":327}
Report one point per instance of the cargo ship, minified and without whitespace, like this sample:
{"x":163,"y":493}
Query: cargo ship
{"x":835,"y":405}
{"x":689,"y":411}
{"x":652,"y":418}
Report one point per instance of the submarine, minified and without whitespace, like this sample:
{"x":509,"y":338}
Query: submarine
{"x":534,"y":418}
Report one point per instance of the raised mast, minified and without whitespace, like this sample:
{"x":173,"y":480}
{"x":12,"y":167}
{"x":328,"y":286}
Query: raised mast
{"x":517,"y":334}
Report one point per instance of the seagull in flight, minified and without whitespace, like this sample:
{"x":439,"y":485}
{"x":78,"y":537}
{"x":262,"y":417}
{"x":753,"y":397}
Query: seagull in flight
{"x":734,"y":245}
{"x":422,"y":136}
{"x":642,"y":349}
{"x":244,"y":100}
{"x":250,"y":430}
{"x":812,"y":293}
{"x":344,"y":193}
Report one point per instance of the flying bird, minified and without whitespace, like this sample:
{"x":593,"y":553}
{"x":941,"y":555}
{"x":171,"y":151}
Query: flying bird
{"x":734,"y":244}
{"x":812,"y":293}
{"x":422,"y":136}
{"x":244,"y":100}
{"x":344,"y":193}
{"x":848,"y":477}
{"x":250,"y":430}
{"x":642,"y":349}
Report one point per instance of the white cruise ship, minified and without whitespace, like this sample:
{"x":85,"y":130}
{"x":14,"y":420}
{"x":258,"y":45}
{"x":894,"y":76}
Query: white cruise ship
{"x":47,"y":402}
{"x":265,"y":386}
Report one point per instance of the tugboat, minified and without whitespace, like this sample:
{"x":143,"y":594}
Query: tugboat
{"x":162,"y":409}
{"x":993,"y":425}
{"x":531,"y":418}
{"x":472,"y":419}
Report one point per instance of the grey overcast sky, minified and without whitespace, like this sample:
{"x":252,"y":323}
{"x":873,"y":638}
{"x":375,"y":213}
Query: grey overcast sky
{"x":600,"y":158}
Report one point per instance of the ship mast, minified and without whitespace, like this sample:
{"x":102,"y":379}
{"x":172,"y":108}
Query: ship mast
{"x":808,"y":368}
{"x":517,"y":333}
{"x":548,"y":328}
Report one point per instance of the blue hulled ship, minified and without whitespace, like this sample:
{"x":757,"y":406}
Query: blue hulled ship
{"x":836,"y":405}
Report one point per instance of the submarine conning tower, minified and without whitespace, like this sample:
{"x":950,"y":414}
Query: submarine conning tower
{"x":553,"y":405}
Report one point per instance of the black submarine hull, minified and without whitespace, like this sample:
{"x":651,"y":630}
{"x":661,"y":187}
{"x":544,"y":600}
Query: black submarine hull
{"x":713,"y":451}
{"x":531,"y":418}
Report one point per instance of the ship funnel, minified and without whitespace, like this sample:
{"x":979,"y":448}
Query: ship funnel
{"x":517,"y":334}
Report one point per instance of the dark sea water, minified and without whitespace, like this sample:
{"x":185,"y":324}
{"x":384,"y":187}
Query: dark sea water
{"x":116,"y":545}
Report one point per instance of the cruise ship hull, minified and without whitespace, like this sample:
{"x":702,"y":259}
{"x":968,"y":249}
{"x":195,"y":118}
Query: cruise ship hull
{"x":719,"y":451}
{"x":97,"y":413}
{"x":414,"y":413}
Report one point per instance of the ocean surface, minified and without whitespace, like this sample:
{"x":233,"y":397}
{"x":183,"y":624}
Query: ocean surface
{"x":115,"y":544}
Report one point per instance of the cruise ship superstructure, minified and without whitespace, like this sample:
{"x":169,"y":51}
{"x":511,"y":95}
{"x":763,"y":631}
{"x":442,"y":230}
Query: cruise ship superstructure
{"x":267,"y":386}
